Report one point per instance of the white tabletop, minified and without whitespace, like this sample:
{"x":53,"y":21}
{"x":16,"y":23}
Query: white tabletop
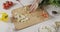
{"x":9,"y":27}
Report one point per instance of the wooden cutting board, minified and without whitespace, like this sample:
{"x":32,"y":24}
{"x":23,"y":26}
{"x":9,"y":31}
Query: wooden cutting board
{"x":34,"y":18}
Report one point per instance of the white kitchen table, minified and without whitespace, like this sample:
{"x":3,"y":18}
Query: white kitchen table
{"x":9,"y":27}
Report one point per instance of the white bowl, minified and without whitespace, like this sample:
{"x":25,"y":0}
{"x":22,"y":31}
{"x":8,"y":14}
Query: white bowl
{"x":51,"y":8}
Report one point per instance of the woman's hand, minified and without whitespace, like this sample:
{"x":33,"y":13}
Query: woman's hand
{"x":34,"y":6}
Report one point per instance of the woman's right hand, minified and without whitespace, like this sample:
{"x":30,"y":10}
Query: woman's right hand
{"x":34,"y":6}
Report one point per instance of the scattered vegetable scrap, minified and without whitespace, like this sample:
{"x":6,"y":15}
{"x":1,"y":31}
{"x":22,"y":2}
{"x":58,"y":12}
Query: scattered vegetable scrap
{"x":7,"y":5}
{"x":44,"y":14}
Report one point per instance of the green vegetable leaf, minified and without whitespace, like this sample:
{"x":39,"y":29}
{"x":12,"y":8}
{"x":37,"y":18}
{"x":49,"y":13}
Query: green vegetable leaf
{"x":52,"y":2}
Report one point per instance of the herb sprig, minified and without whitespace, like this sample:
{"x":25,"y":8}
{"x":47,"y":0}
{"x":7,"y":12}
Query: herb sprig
{"x":48,"y":2}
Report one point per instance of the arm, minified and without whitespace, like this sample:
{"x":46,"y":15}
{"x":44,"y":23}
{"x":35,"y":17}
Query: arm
{"x":34,"y":5}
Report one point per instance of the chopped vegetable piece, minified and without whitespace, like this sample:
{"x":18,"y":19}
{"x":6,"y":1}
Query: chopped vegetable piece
{"x":44,"y":14}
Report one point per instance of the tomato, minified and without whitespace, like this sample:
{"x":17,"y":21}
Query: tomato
{"x":7,"y":5}
{"x":11,"y":3}
{"x":4,"y":4}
